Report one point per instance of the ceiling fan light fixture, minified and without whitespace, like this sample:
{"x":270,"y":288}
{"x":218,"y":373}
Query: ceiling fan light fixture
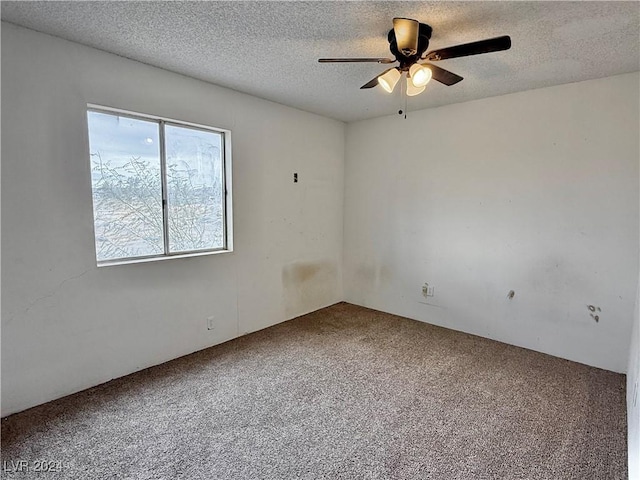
{"x":412,"y":90}
{"x":389,"y":80}
{"x":420,"y":75}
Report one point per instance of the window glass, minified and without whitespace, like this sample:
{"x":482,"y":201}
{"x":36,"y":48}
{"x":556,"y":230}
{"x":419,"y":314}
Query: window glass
{"x":195,"y":189}
{"x":159,"y":187}
{"x":127,"y":186}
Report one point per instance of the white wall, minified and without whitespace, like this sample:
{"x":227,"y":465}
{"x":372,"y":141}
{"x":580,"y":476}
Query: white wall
{"x":535,"y":192}
{"x":67,"y":325}
{"x":633,"y":395}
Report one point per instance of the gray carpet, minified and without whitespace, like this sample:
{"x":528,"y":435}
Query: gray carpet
{"x":342,"y":393}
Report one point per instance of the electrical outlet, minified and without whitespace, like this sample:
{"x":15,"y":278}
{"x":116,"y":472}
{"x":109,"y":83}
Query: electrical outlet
{"x":211,"y":323}
{"x":427,"y":290}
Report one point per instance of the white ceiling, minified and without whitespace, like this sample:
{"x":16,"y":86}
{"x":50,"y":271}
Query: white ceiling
{"x":270,"y":49}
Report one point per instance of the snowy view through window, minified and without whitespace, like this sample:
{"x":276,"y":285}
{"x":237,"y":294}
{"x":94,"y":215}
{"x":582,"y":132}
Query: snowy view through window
{"x":127,"y":179}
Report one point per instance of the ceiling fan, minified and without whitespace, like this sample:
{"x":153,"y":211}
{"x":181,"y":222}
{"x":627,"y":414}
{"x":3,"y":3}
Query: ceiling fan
{"x":408,"y":42}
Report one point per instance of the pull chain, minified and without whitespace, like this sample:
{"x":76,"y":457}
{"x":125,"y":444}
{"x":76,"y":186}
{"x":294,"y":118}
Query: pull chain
{"x":403,"y":94}
{"x":405,"y":106}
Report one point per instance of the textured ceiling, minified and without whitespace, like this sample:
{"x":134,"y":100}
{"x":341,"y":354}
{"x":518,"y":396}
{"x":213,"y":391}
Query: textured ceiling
{"x":270,"y":49}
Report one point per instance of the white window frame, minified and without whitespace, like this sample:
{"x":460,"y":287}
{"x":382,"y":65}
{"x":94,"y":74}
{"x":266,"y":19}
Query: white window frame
{"x":227,"y":196}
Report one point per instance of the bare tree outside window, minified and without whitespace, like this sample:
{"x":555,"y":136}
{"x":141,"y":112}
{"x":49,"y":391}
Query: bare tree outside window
{"x":158,"y":188}
{"x":194,"y":189}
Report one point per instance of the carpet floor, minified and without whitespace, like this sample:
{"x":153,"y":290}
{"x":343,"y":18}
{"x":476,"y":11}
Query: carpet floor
{"x":342,"y":393}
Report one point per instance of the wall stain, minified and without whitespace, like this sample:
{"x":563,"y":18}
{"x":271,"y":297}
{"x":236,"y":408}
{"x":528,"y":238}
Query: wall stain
{"x":371,"y":276}
{"x":307,"y":286}
{"x":300,"y":272}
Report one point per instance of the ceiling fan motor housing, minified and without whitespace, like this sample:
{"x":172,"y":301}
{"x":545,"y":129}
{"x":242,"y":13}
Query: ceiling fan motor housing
{"x":424,"y":34}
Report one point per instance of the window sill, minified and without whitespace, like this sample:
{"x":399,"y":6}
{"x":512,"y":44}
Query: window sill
{"x":129,"y":261}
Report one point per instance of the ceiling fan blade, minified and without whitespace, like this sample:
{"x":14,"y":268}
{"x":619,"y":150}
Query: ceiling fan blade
{"x":443,"y":76}
{"x":357,"y":60}
{"x":406,"y":32}
{"x":474,"y":48}
{"x":372,"y":83}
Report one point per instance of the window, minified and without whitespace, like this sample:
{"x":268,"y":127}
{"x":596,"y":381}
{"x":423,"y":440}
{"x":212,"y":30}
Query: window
{"x":160,"y":187}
